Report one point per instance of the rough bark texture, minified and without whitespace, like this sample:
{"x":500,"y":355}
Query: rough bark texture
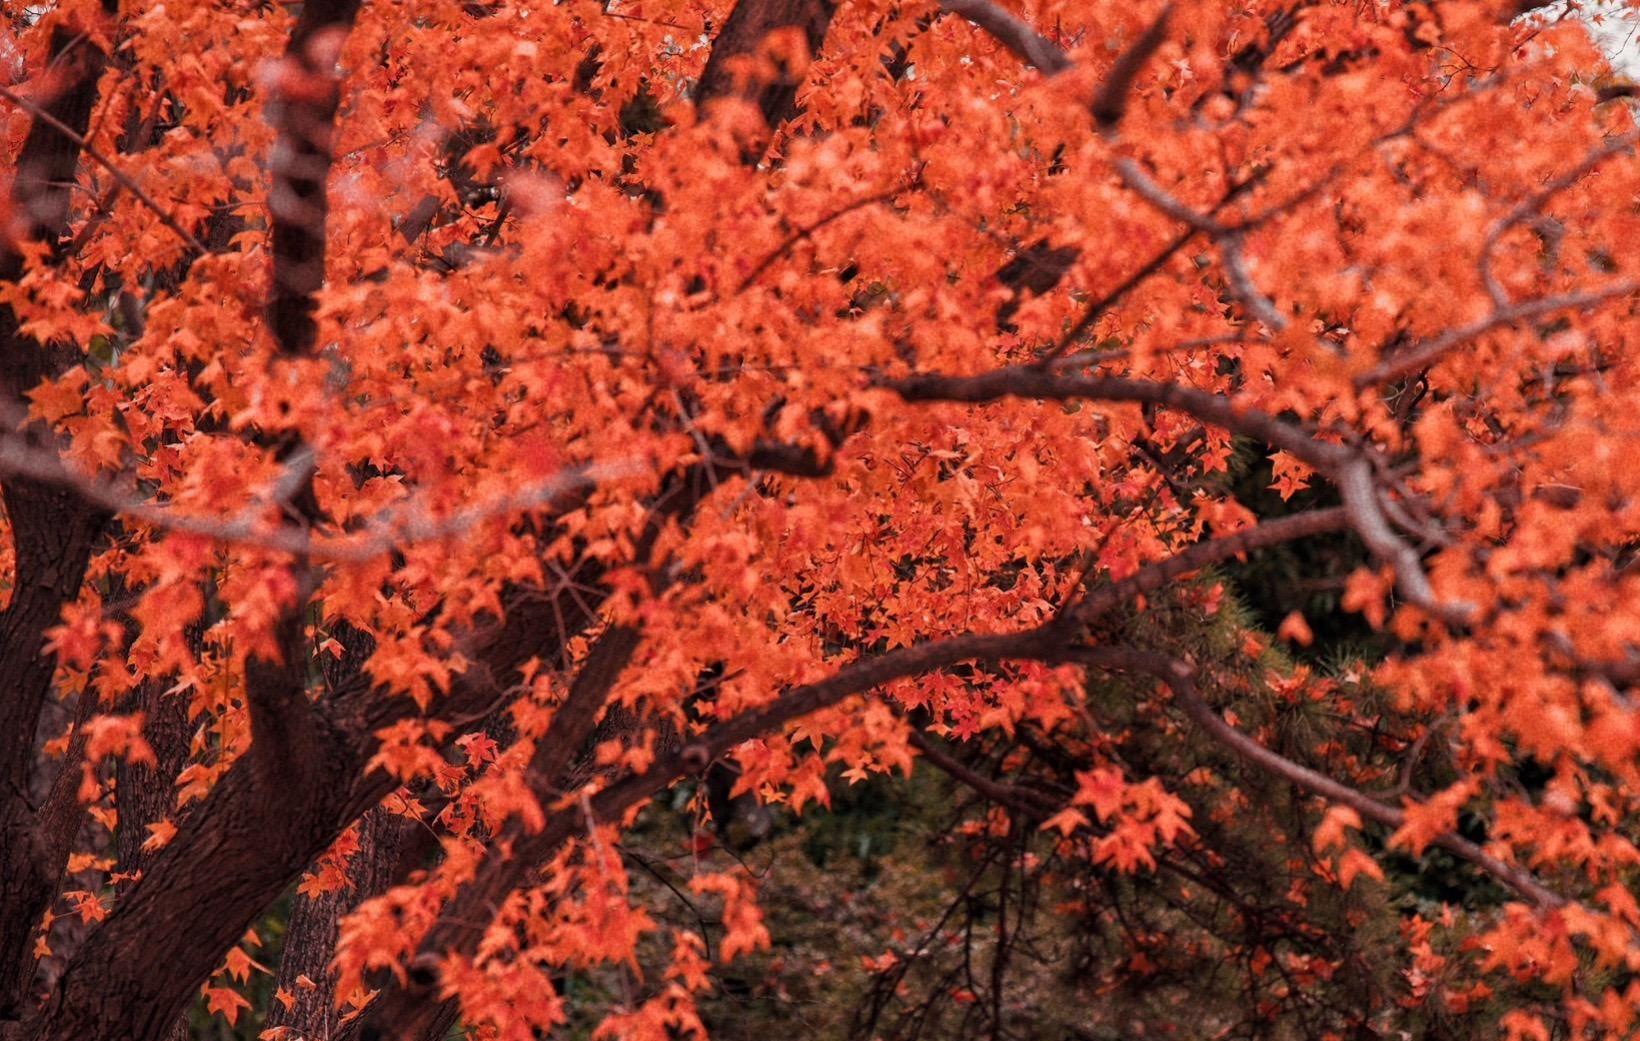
{"x":53,"y":531}
{"x":251,"y":836}
{"x":748,"y":26}
{"x":144,"y":794}
{"x":310,"y":939}
{"x":415,"y":1013}
{"x":247,"y":842}
{"x":301,"y":164}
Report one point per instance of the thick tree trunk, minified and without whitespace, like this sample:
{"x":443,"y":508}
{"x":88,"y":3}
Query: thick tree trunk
{"x":146,"y":795}
{"x":52,"y":531}
{"x":305,"y":977}
{"x":748,"y":27}
{"x":248,"y":841}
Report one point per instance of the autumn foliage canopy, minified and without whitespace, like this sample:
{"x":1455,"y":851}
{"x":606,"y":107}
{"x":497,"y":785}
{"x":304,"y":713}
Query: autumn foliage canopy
{"x":444,"y":440}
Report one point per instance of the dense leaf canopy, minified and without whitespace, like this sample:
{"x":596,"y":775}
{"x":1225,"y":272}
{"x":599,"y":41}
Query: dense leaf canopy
{"x":444,"y":440}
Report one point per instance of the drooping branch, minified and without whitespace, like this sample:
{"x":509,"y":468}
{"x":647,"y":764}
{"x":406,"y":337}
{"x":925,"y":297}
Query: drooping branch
{"x":1024,"y":800}
{"x":1532,"y":206}
{"x":1180,"y":678}
{"x":1422,"y":355}
{"x":401,"y":1013}
{"x":1215,"y":409}
{"x":404,"y":1013}
{"x":1102,"y":600}
{"x":1352,"y":471}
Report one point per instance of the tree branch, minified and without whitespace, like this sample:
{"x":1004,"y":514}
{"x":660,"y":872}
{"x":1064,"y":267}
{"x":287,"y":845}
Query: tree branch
{"x":1181,"y":679}
{"x":1100,"y":601}
{"x":1350,"y":470}
{"x":302,"y":109}
{"x":1423,"y":355}
{"x":46,"y":117}
{"x":1533,"y":205}
{"x":1032,"y":804}
{"x":1215,"y":409}
{"x":401,"y":1013}
{"x":1014,"y":33}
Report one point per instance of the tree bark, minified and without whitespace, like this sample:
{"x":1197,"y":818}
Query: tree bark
{"x":743,"y":34}
{"x":53,"y":531}
{"x":310,"y":940}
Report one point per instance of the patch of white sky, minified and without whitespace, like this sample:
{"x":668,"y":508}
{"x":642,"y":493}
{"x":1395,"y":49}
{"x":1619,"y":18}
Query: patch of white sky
{"x":1614,"y":24}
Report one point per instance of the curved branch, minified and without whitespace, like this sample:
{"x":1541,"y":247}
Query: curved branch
{"x":121,"y":178}
{"x":1181,"y":679}
{"x":1423,"y":355}
{"x":1359,"y":489}
{"x":402,"y":1012}
{"x":1200,"y":555}
{"x":1349,"y":469}
{"x":1021,"y":381}
{"x":1028,"y":802}
{"x":1014,"y":33}
{"x":1533,"y":205}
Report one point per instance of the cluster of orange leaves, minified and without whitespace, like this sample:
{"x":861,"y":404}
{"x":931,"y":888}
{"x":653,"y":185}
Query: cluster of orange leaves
{"x":599,"y":327}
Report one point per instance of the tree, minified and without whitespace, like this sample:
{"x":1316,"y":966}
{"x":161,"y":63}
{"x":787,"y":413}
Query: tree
{"x":434,"y":431}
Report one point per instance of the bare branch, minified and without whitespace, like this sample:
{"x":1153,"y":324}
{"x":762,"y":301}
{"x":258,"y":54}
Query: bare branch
{"x":1014,"y":33}
{"x":1241,"y":283}
{"x":1356,"y":484}
{"x":1147,"y":189}
{"x":802,"y":233}
{"x":1028,"y":802}
{"x":1215,"y":409}
{"x":1350,"y":470}
{"x":392,"y":529}
{"x":1533,"y":204}
{"x":1111,"y":102}
{"x":1148,"y":579}
{"x":1099,"y":306}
